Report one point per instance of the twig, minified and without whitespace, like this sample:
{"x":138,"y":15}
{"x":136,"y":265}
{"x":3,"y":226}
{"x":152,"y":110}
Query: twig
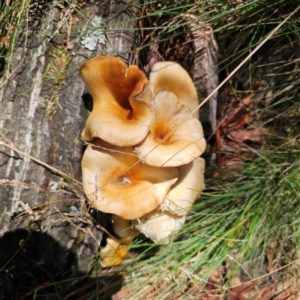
{"x":41,"y":163}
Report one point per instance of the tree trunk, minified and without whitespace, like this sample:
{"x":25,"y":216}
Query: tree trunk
{"x":42,"y":114}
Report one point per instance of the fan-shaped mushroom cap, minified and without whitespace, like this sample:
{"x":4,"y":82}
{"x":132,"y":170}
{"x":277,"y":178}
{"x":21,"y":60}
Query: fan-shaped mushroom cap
{"x":186,"y":189}
{"x":116,"y":182}
{"x":170,"y":76}
{"x":174,"y":138}
{"x":159,"y":226}
{"x":119,"y":116}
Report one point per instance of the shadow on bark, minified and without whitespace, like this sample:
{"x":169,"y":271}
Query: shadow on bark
{"x":34,"y":265}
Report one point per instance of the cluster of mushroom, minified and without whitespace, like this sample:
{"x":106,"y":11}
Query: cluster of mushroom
{"x":142,"y":162}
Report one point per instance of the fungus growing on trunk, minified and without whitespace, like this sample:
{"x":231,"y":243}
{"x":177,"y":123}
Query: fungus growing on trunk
{"x":116,"y":182}
{"x":142,"y":163}
{"x":170,"y":76}
{"x":119,"y":115}
{"x":175,"y":138}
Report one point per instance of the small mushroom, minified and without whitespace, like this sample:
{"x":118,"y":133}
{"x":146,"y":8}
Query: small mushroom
{"x":162,"y":223}
{"x":119,"y":115}
{"x":116,"y":249}
{"x":113,"y":253}
{"x":159,"y":226}
{"x":175,"y":138}
{"x":170,"y":76}
{"x":116,"y":182}
{"x":187,"y":188}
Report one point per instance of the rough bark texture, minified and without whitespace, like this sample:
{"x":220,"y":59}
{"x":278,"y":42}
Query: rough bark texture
{"x":205,"y":74}
{"x":43,"y":117}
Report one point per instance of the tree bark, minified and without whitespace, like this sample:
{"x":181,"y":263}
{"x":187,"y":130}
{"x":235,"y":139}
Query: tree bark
{"x":42,"y":114}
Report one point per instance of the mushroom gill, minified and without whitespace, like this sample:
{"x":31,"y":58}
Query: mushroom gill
{"x":116,"y":182}
{"x":119,"y":116}
{"x":175,"y":138}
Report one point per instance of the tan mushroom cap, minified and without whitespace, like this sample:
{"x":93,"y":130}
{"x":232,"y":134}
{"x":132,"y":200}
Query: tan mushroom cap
{"x":187,"y":188}
{"x":159,"y":226}
{"x":119,"y":116}
{"x":170,"y":76}
{"x":118,"y":183}
{"x":175,"y":138}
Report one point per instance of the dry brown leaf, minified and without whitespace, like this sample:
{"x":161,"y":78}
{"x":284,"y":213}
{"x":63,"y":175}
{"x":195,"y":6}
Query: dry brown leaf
{"x":253,"y":135}
{"x":285,"y":294}
{"x":241,"y":292}
{"x":268,"y":293}
{"x":230,"y":147}
{"x":232,"y":162}
{"x":237,"y":116}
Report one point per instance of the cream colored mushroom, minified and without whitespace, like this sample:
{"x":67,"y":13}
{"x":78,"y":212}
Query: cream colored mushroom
{"x":119,"y":116}
{"x":187,"y":188}
{"x":116,"y":182}
{"x":175,"y":138}
{"x":159,"y":226}
{"x":170,"y":76}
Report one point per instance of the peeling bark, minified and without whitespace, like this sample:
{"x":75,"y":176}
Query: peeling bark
{"x":205,"y":74}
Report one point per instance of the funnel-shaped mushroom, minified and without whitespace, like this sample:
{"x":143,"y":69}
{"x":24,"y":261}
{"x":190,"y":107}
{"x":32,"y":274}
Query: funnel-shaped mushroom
{"x":116,"y":182}
{"x":186,"y":189}
{"x":119,"y":116}
{"x":175,"y":138}
{"x":159,"y":226}
{"x":170,"y":76}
